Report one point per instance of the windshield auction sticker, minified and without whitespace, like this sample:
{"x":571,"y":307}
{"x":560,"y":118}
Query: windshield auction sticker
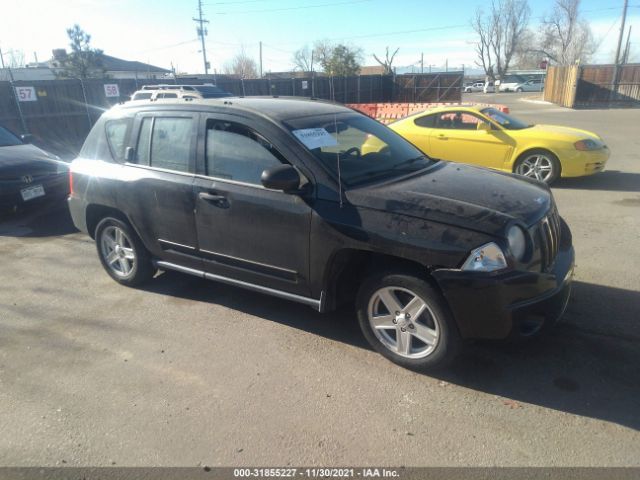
{"x":315,"y":138}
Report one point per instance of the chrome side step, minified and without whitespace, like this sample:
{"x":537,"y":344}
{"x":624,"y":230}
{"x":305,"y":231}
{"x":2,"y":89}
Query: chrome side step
{"x":317,"y":304}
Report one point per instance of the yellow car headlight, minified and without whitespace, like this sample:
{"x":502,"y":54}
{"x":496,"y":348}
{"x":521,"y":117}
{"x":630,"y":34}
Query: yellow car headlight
{"x":587,"y":144}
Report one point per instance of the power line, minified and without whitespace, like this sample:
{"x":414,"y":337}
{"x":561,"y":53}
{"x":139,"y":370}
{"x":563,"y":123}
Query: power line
{"x":283,"y":9}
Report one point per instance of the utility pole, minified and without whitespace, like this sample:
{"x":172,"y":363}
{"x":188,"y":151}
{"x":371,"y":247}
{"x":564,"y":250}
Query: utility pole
{"x":422,"y":62}
{"x":202,"y":32}
{"x":616,"y":69}
{"x":624,"y":18}
{"x":260,"y":58}
{"x":625,"y":56}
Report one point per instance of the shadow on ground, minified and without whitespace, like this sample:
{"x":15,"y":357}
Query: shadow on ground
{"x":584,"y":367}
{"x":41,"y":221}
{"x":611,"y":180}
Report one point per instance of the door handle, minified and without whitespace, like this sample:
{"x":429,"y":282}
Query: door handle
{"x":442,"y":137}
{"x":214,"y":198}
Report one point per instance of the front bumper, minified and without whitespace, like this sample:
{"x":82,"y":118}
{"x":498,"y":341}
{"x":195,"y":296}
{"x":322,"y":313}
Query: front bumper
{"x":576,"y":163}
{"x":511,"y":304}
{"x":56,"y":188}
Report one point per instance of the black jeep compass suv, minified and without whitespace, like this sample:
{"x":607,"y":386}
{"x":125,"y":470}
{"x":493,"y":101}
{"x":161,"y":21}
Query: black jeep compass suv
{"x":316,"y":203}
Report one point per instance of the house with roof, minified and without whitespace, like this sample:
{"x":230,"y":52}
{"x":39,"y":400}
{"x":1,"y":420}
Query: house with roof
{"x":112,"y":67}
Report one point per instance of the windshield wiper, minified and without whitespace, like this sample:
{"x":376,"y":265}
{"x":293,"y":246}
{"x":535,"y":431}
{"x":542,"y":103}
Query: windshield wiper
{"x":407,"y":162}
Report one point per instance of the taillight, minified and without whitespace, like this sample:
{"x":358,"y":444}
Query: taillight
{"x":70,"y":182}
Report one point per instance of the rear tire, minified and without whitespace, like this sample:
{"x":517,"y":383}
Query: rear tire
{"x":407,"y":321}
{"x":122,"y":253}
{"x":519,"y":90}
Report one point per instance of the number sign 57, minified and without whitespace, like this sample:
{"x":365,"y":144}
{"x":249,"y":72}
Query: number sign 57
{"x":26,"y":94}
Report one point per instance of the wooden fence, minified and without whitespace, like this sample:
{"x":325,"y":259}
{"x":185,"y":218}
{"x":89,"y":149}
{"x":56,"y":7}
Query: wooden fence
{"x":60,"y":113}
{"x":593,"y":86}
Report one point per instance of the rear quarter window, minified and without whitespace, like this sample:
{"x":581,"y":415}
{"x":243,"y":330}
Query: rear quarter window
{"x":117,"y":132}
{"x":428,"y":121}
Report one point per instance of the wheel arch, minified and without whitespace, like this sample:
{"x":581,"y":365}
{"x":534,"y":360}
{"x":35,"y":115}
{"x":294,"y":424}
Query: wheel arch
{"x":347,"y":268}
{"x":529,"y":149}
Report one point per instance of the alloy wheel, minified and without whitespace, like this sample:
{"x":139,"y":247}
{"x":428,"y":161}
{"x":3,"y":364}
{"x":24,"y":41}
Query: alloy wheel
{"x":538,"y":166}
{"x":117,"y":250}
{"x":403,"y":322}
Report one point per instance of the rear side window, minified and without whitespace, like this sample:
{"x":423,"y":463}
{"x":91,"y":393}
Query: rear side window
{"x":427,"y":121}
{"x":95,"y":146}
{"x":235,"y":152}
{"x":117,"y":131}
{"x":165,"y":142}
{"x":142,"y":96}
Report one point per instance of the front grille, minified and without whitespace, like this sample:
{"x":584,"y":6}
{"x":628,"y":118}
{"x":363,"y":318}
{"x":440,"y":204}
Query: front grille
{"x":549,"y":238}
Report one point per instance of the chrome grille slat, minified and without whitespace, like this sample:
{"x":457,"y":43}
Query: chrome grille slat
{"x":549,"y":237}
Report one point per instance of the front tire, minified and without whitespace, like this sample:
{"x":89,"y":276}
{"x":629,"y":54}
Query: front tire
{"x":519,"y":90}
{"x":539,"y":164}
{"x":122,"y":253}
{"x":407,"y":321}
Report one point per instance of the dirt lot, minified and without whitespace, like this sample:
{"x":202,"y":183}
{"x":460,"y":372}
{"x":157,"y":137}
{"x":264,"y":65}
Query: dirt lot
{"x":186,"y":372}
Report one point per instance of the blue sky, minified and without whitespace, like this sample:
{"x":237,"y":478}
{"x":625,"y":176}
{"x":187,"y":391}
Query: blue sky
{"x":161,"y":31}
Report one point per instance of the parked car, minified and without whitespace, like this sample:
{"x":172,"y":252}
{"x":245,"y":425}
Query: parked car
{"x":509,"y":83}
{"x":489,"y":87}
{"x":190,"y":92}
{"x":487,"y":137}
{"x":474,"y":87}
{"x":534,"y":85}
{"x":278,"y":196}
{"x":28,"y":174}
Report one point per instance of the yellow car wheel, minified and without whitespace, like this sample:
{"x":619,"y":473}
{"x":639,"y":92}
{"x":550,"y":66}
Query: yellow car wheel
{"x":540,"y":164}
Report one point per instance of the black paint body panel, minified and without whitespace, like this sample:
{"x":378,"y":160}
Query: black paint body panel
{"x":288,"y":242}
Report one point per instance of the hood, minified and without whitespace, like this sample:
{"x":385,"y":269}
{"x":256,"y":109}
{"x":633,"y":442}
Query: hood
{"x":18,"y":160}
{"x":460,"y":195}
{"x":560,"y":132}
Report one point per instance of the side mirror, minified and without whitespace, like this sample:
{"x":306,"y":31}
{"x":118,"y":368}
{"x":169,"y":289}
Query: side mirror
{"x":484,"y":126}
{"x":282,"y":177}
{"x":130,"y":155}
{"x":26,"y":138}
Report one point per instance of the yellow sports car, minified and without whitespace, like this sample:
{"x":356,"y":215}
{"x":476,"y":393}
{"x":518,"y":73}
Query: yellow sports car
{"x":487,"y":137}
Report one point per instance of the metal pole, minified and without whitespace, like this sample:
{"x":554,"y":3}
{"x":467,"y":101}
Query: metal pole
{"x":624,"y":18}
{"x":312,"y":85}
{"x":86,"y":104}
{"x":422,"y":62}
{"x":625,"y":56}
{"x":261,"y":59}
{"x":616,"y":69}
{"x":202,"y":33}
{"x":358,"y":88}
{"x":15,"y":95}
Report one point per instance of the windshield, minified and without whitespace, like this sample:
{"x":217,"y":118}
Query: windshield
{"x":367,"y":151}
{"x":8,"y":139}
{"x":505,"y":121}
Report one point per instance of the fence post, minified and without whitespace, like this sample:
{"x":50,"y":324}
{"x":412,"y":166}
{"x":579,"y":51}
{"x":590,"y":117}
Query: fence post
{"x":20,"y":114}
{"x":86,"y":104}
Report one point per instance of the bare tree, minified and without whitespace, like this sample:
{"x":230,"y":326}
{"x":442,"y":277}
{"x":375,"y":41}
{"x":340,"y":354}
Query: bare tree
{"x":14,"y":58}
{"x":566,"y":39}
{"x":499,"y":34}
{"x":303,"y":59}
{"x":242,"y":65}
{"x":387,"y":63}
{"x":527,"y":56}
{"x":322,"y":51}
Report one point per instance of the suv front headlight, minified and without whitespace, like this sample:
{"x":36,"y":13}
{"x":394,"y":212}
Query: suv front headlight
{"x":487,"y":258}
{"x":517,"y":242}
